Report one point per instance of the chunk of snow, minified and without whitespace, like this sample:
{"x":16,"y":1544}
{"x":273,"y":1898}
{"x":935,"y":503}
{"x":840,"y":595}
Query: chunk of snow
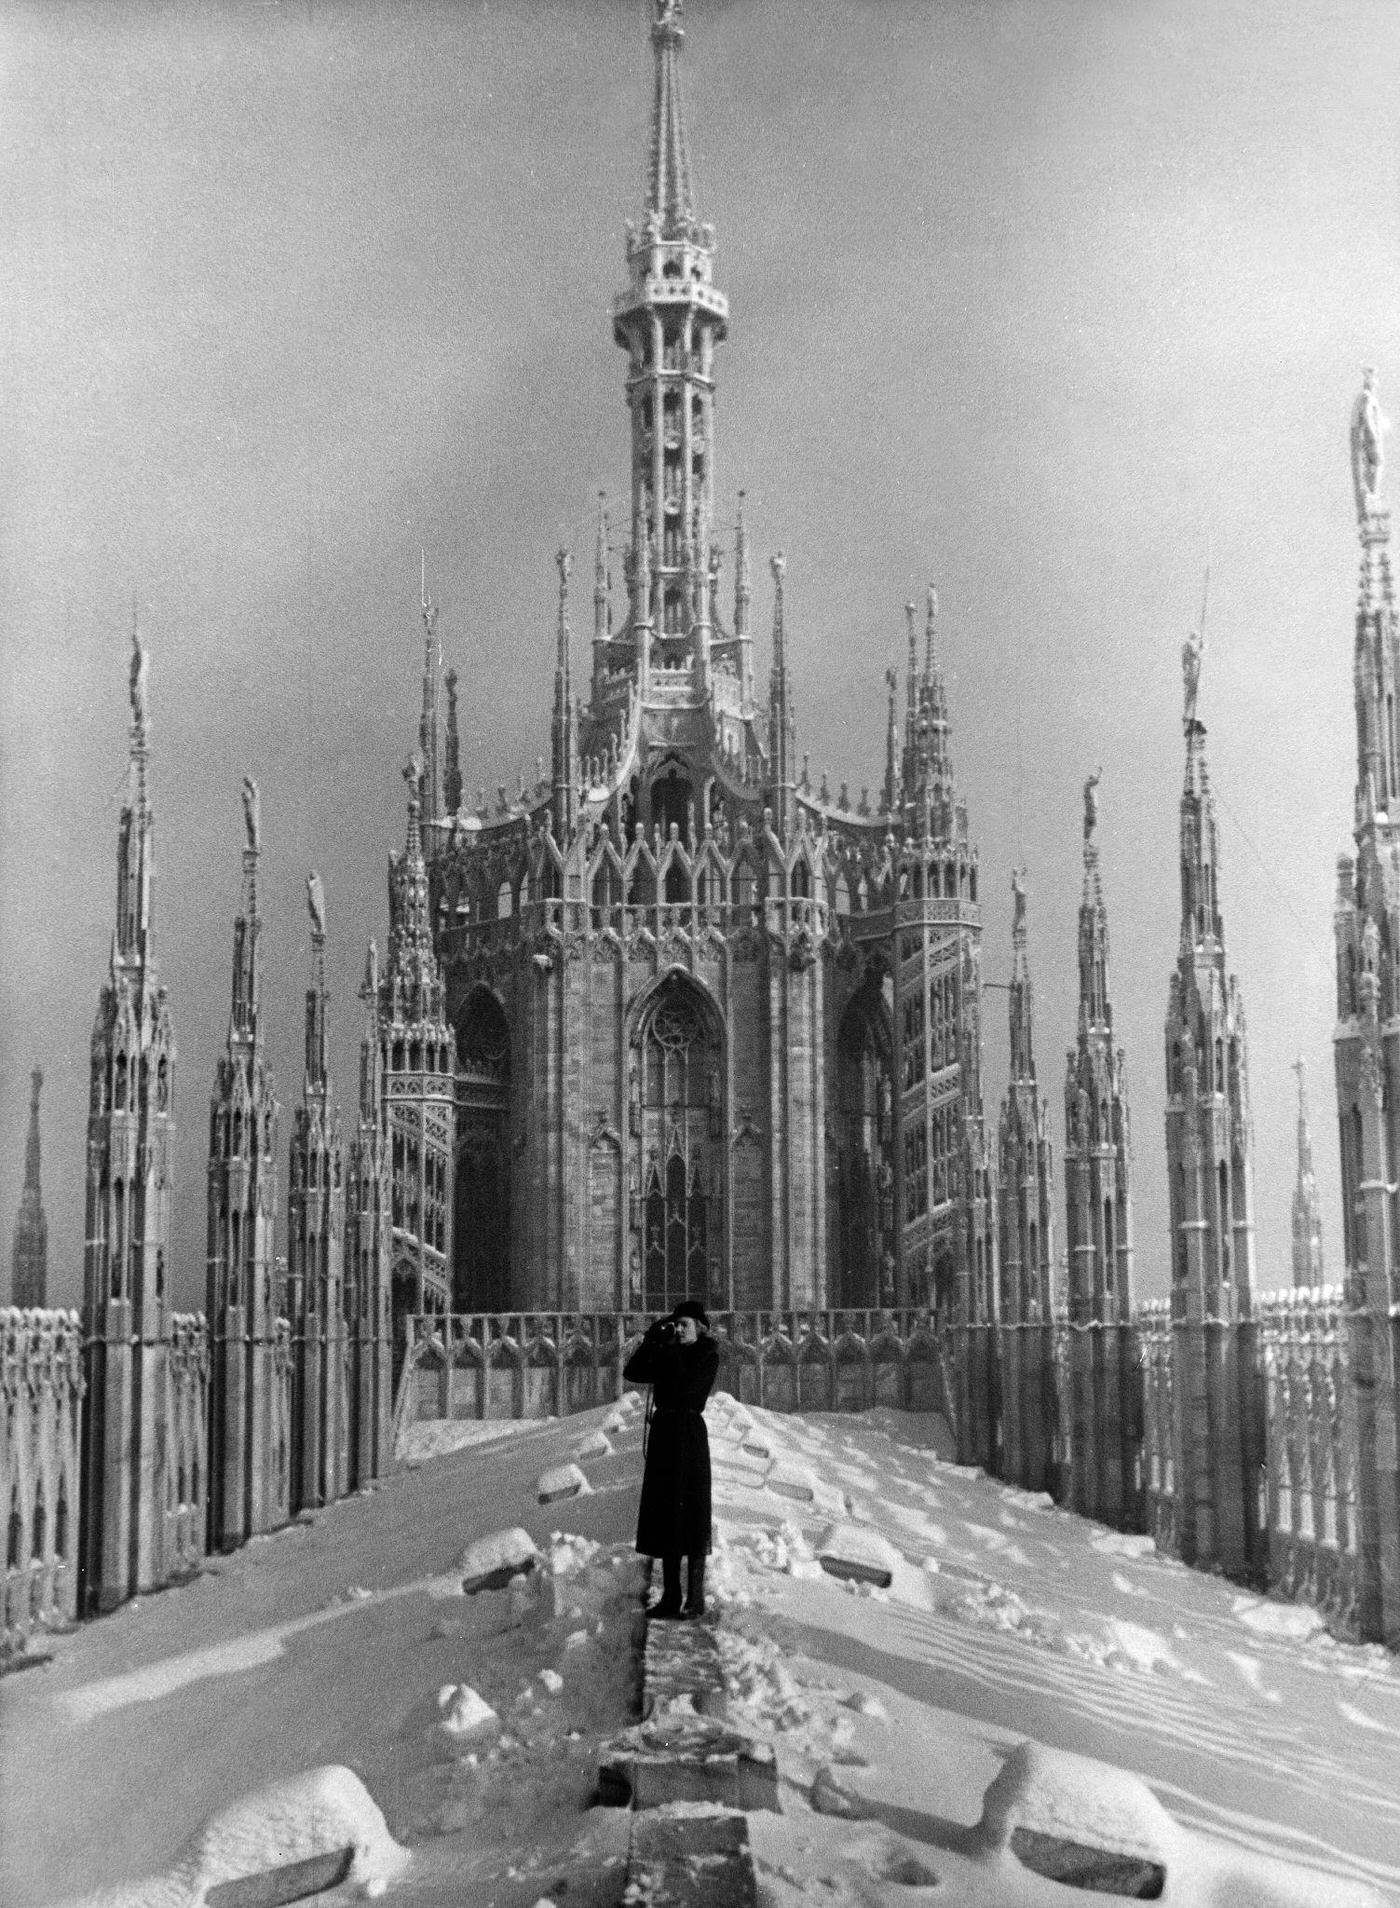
{"x":1296,"y":1621}
{"x":864,"y":1704}
{"x":828,"y":1797}
{"x":492,"y":1561}
{"x":552,"y":1680}
{"x":293,"y":1820}
{"x":562,"y":1480}
{"x":596,"y":1445}
{"x":856,"y":1551}
{"x":1121,"y":1543}
{"x":467,"y":1714}
{"x":576,"y":1640}
{"x":1055,"y":1793}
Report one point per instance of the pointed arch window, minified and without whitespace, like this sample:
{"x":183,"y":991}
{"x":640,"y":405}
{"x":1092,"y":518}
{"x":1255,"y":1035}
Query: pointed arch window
{"x":679,"y":1133}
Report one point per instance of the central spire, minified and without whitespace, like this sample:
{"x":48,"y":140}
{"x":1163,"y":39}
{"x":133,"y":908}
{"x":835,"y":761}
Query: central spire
{"x":669,"y":320}
{"x":668,"y":169}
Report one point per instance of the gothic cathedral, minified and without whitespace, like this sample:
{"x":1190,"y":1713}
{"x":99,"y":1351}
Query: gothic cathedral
{"x":717,"y":1034}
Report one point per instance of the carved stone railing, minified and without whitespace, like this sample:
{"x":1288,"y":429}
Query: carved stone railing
{"x":1311,"y":1461}
{"x":41,"y":1390}
{"x":542,"y":1364}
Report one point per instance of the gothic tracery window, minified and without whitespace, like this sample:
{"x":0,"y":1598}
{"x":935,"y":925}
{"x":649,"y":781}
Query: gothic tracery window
{"x":678,"y":1112}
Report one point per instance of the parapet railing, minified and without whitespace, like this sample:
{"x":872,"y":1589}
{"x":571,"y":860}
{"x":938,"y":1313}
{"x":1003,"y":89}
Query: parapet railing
{"x":542,"y":1364}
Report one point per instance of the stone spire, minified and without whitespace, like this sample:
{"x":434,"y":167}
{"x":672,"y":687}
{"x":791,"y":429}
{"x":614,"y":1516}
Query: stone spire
{"x":418,"y":1064}
{"x":1095,"y":1008}
{"x":247,"y":1478}
{"x":1368,"y":895}
{"x":130,"y":1130}
{"x":1307,"y":1211}
{"x":1211,"y":1192}
{"x":668,"y":161}
{"x":890,"y":796}
{"x":1021,"y":1014}
{"x":452,"y":765}
{"x":130,"y":1150}
{"x":1098,"y":1224}
{"x":928,"y":764}
{"x":428,"y":720}
{"x":1026,"y":1243}
{"x":367,"y":1248}
{"x":743,"y":598}
{"x":565,"y":742}
{"x":316,"y":1256}
{"x":782,"y":731}
{"x":669,"y":320}
{"x":602,"y":605}
{"x":1098,"y":1154}
{"x":29,"y":1286}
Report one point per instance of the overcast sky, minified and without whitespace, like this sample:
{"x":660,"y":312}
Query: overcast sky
{"x":1049,"y":304}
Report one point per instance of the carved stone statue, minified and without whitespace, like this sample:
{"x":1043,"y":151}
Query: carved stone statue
{"x":252,"y":814}
{"x":1018,"y":893}
{"x":140,"y":663}
{"x":1091,"y":804}
{"x":1367,"y":448}
{"x":1191,"y":652}
{"x":316,"y":904}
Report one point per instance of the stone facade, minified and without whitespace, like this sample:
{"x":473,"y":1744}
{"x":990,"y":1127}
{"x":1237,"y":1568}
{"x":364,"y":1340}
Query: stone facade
{"x":717,"y":1032}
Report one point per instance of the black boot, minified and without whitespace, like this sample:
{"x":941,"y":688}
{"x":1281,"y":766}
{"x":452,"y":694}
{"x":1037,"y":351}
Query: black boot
{"x":669,"y":1603}
{"x":695,"y":1587}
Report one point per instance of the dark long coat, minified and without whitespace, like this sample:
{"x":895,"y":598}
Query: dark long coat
{"x":674,"y":1516}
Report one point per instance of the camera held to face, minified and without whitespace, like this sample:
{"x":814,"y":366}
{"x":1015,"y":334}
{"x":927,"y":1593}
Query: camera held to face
{"x":668,"y":1331}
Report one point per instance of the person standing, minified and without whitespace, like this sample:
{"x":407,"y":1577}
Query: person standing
{"x":679,"y":1360}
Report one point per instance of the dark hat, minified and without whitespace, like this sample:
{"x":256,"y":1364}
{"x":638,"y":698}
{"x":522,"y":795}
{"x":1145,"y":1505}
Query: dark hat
{"x":692,"y":1308}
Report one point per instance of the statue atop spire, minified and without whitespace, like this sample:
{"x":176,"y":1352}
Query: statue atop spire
{"x":1192,"y":654}
{"x":252,"y":815}
{"x":140,"y":665}
{"x":1091,"y":811}
{"x":1368,"y":428}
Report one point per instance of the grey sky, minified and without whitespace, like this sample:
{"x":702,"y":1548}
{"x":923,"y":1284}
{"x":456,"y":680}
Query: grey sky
{"x":1044,"y":302}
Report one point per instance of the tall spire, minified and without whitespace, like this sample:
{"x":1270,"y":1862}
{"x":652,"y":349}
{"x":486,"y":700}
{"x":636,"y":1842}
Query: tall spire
{"x":1022,"y":1048}
{"x":31,"y":1248}
{"x":782,"y":731}
{"x":940,"y":759}
{"x":452,"y":766}
{"x":1307,"y":1211}
{"x":602,"y":614}
{"x":317,"y":1066}
{"x":243,"y":1022}
{"x":135,"y":852}
{"x":890,"y":799}
{"x":668,"y":161}
{"x":1095,"y":1009}
{"x":428,"y":720}
{"x":566,"y":769}
{"x":669,"y":320}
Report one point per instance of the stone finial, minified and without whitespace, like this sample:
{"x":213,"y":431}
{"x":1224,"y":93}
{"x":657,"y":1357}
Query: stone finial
{"x":252,"y":814}
{"x":1091,"y":805}
{"x":1368,"y":428}
{"x":316,"y":905}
